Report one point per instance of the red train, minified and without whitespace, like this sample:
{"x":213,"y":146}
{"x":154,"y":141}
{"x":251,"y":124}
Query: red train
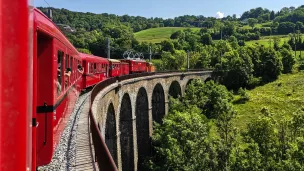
{"x":95,"y":69}
{"x":57,"y":73}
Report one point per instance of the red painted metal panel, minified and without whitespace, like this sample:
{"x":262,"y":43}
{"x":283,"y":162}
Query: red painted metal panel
{"x":136,"y":66}
{"x":124,"y":68}
{"x":93,"y":75}
{"x":48,"y":41}
{"x":15,"y":86}
{"x":114,"y":70}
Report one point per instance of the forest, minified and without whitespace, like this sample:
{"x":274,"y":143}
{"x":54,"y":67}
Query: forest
{"x":213,"y":126}
{"x":88,"y":31}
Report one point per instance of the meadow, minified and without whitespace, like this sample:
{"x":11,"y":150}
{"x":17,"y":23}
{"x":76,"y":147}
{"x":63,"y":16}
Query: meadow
{"x":280,"y":98}
{"x":157,"y":35}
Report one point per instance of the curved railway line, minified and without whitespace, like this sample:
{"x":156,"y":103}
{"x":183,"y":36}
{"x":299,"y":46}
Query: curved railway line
{"x":76,"y":147}
{"x":65,"y":156}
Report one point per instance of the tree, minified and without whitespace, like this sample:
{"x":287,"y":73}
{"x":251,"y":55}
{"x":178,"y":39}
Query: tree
{"x":288,"y":60}
{"x":203,"y":30}
{"x":206,"y":39}
{"x":262,"y":132}
{"x":178,"y":35}
{"x":233,"y":42}
{"x":235,"y":69}
{"x":227,"y":134}
{"x":175,"y":60}
{"x":271,"y":64}
{"x":272,"y":15}
{"x":297,"y":124}
{"x":252,"y":22}
{"x":248,"y":158}
{"x":229,"y":29}
{"x":167,"y":46}
{"x":286,"y":27}
{"x":204,"y":60}
{"x":182,"y":143}
{"x":211,"y":98}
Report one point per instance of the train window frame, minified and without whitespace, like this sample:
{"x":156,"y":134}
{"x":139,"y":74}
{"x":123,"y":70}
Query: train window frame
{"x":60,"y":75}
{"x":67,"y":59}
{"x":75,"y":70}
{"x":72,"y":71}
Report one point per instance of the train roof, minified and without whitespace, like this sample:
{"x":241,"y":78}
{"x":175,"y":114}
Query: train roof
{"x":133,"y":60}
{"x":114,"y":60}
{"x":93,"y":58}
{"x":46,"y":25}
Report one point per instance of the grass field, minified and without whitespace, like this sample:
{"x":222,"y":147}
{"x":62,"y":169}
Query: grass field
{"x":156,"y":35}
{"x":281,"y":97}
{"x":257,"y":25}
{"x":267,"y":40}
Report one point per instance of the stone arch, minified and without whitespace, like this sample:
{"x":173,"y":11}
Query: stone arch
{"x":158,"y":103}
{"x":175,"y":89}
{"x":126,"y":133}
{"x":189,"y":82}
{"x":142,"y":127}
{"x":110,"y":132}
{"x":208,"y":79}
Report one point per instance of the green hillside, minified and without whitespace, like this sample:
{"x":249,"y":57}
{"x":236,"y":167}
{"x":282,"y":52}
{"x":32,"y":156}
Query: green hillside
{"x":265,"y":40}
{"x":281,"y":97}
{"x":156,"y":35}
{"x":268,"y":40}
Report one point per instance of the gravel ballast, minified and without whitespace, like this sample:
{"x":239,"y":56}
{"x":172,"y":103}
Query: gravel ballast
{"x":65,"y":152}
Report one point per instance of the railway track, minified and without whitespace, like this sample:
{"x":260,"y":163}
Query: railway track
{"x":64,"y":157}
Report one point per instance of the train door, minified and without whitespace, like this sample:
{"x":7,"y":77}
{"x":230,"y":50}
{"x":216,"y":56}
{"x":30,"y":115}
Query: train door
{"x":44,"y":98}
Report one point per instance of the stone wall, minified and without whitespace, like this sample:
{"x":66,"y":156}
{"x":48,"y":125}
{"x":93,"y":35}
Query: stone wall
{"x":125,"y":112}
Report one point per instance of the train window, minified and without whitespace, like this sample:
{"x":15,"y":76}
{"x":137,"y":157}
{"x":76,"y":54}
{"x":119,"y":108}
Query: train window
{"x":72,"y":71}
{"x":66,"y":61}
{"x":75,"y":66}
{"x":59,"y":72}
{"x":71,"y":62}
{"x":94,"y":67}
{"x":66,"y":82}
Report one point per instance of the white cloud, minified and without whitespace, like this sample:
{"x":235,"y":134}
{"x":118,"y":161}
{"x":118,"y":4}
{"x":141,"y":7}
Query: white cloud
{"x":219,"y":15}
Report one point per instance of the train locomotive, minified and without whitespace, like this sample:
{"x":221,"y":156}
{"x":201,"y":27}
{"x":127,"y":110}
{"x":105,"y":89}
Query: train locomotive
{"x":60,"y":73}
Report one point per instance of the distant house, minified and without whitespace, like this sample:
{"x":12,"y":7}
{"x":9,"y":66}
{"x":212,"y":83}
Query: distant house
{"x":69,"y":29}
{"x":66,"y":27}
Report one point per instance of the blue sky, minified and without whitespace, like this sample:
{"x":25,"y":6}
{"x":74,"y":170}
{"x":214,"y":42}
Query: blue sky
{"x":168,"y":8}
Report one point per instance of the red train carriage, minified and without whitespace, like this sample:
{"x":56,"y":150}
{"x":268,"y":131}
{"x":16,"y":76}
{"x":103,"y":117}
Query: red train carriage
{"x":114,"y":69}
{"x":124,"y":68}
{"x":15,"y":85}
{"x":57,"y":84}
{"x":43,"y":94}
{"x":95,"y":69}
{"x":150,"y":67}
{"x":136,"y":66}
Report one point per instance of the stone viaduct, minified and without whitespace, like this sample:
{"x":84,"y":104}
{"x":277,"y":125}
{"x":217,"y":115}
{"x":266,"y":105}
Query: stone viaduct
{"x":125,"y":112}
